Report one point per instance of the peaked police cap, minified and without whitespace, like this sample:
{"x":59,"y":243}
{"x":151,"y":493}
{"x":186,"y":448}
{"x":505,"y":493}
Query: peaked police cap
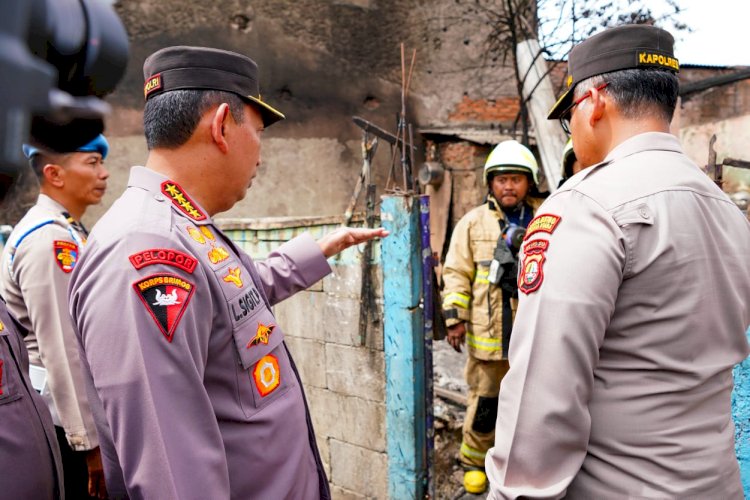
{"x":633,"y":46}
{"x":203,"y":68}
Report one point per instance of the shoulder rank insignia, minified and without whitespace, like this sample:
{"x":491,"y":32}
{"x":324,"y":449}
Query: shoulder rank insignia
{"x":166,"y":256}
{"x":233,"y":276}
{"x":544,"y":223}
{"x":261,"y":335}
{"x":181,"y":200}
{"x":218,"y":254}
{"x":66,"y":255}
{"x":165,"y":296}
{"x":531,"y":276}
{"x":266,"y":374}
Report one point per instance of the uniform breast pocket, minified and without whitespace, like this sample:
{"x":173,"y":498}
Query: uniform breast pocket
{"x":265,"y":374}
{"x":8,"y":376}
{"x":483,"y":248}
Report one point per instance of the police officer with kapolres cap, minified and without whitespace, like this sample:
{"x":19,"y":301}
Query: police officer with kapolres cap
{"x":198,"y":394}
{"x":41,"y":253}
{"x":634,"y":284}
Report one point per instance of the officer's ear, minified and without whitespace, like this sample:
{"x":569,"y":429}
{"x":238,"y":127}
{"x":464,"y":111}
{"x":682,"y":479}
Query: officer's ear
{"x":598,"y":104}
{"x":53,"y":175}
{"x":218,"y":127}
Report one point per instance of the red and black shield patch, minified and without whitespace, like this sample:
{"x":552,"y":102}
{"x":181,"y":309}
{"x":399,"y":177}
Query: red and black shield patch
{"x":531,"y":274}
{"x":66,"y":255}
{"x":166,"y":297}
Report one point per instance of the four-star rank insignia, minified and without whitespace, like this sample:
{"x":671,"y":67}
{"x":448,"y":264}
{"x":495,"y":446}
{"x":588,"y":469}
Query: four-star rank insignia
{"x":261,"y":335}
{"x":66,"y":255}
{"x":531,"y":273}
{"x":181,"y":200}
{"x":165,"y":296}
{"x":266,"y":374}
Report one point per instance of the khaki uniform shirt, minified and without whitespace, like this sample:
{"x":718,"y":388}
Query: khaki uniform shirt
{"x":30,"y":465}
{"x":467,"y":293}
{"x":197,"y":395}
{"x":636,"y":281}
{"x":34,"y":278}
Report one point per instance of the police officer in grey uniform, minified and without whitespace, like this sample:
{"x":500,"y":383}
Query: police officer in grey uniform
{"x":29,"y":454}
{"x":42,"y":251}
{"x":198,"y":396}
{"x":30,"y":464}
{"x":634,"y":285}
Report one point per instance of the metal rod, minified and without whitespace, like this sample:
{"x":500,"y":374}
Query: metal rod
{"x":427,"y":284}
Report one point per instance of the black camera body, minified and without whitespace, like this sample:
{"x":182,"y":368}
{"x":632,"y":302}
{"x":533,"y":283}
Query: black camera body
{"x":58,"y":59}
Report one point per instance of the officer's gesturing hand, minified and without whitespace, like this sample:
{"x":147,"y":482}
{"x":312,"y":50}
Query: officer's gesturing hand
{"x":344,"y":237}
{"x":457,"y":335}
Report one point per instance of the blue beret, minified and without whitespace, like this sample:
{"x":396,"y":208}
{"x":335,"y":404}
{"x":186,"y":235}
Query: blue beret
{"x":98,"y":145}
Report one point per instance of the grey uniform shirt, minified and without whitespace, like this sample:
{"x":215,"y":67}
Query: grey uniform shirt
{"x":30,"y":465}
{"x":633,"y":309}
{"x":37,"y":262}
{"x":199,"y":396}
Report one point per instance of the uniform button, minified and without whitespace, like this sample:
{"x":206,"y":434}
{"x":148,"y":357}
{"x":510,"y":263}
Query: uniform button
{"x":643,"y":212}
{"x":159,"y":197}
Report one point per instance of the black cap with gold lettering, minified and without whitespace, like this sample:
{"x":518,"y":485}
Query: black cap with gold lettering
{"x":624,"y":47}
{"x":181,"y":67}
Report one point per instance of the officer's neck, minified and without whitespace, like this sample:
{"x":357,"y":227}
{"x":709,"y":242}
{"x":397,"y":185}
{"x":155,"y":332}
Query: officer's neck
{"x":74,"y":207}
{"x":621,"y":129}
{"x":186,"y":167}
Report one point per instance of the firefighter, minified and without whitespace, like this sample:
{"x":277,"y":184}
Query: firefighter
{"x":480,"y":292}
{"x":569,"y":164}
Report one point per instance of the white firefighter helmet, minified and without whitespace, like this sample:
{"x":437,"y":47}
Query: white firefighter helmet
{"x":511,"y":156}
{"x":567,"y":160}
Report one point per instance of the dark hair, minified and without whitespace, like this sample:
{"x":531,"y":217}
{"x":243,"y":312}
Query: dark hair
{"x":638,"y":92}
{"x":169,"y":119}
{"x":40,"y":160}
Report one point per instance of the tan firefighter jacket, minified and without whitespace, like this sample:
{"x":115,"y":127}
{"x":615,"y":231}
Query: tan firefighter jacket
{"x":467,"y":293}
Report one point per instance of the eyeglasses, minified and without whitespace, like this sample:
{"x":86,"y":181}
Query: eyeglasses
{"x":565,"y":115}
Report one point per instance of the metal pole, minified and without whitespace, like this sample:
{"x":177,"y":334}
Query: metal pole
{"x":427,"y":265}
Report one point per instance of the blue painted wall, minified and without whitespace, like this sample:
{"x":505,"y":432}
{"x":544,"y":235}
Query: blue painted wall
{"x":404,"y":348}
{"x":741,"y":414}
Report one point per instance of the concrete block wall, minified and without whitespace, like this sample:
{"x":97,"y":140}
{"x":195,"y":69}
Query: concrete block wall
{"x":343,"y":374}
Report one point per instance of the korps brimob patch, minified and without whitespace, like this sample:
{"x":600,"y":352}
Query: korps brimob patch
{"x":166,"y":297}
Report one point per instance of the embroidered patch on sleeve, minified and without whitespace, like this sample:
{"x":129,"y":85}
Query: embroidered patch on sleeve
{"x":167,"y":256}
{"x":66,"y":255}
{"x":166,"y":297}
{"x":544,"y":223}
{"x":266,"y":374}
{"x":261,"y":335}
{"x":532,"y":274}
{"x":181,"y":200}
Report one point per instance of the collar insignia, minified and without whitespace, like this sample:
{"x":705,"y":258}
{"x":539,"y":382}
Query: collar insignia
{"x":181,"y":200}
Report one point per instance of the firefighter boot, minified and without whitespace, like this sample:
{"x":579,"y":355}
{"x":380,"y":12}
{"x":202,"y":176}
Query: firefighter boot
{"x":475,"y":481}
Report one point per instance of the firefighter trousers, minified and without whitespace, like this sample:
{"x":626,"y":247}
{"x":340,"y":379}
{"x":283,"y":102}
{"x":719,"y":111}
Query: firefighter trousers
{"x":483,"y":379}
